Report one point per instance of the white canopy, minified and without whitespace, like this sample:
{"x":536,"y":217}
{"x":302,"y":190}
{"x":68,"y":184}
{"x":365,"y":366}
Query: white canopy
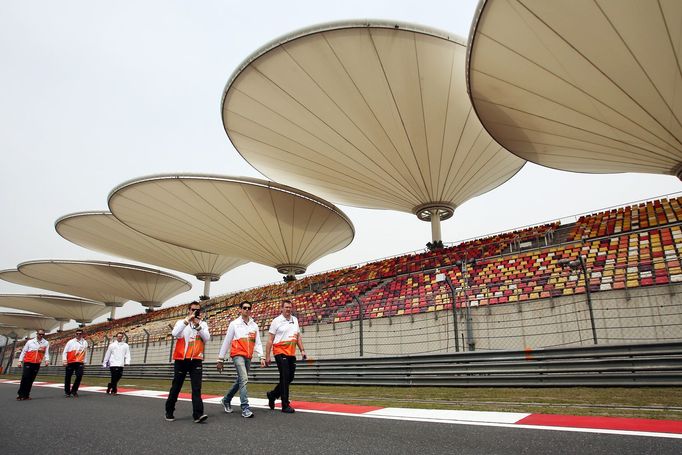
{"x":101,"y":231}
{"x":587,"y":86}
{"x":243,"y":217}
{"x":28,"y":321}
{"x":150,"y":287}
{"x":54,"y":306}
{"x":373,"y":115}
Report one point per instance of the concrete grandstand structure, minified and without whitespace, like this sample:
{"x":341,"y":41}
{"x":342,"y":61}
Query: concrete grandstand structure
{"x":101,"y":231}
{"x":253,"y":219}
{"x":517,"y":295}
{"x":587,"y":87}
{"x":368,"y":114}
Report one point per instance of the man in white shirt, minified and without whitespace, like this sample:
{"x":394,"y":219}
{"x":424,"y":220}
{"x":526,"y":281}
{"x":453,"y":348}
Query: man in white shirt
{"x":74,"y":360}
{"x":242,"y":339}
{"x":34,"y":351}
{"x":190,"y":335}
{"x":284,"y":337}
{"x":118,"y":355}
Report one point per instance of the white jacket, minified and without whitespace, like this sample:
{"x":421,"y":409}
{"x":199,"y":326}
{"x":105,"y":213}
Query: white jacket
{"x":242,"y":339}
{"x":117,"y":355}
{"x":35,"y":351}
{"x":75,"y":351}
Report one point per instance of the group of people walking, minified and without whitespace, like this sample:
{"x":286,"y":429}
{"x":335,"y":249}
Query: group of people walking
{"x":241,"y":341}
{"x":37,"y":350}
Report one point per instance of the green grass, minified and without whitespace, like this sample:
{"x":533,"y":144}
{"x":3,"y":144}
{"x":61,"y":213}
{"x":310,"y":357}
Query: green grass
{"x":641,"y":402}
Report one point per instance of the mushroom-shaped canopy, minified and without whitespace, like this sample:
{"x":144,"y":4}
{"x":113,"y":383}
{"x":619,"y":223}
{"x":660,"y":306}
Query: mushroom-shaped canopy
{"x":11,"y":331}
{"x":260,"y":221}
{"x":28,"y":321}
{"x":101,"y":231}
{"x":373,"y":115}
{"x":150,"y":287}
{"x":58,"y":307}
{"x":581,"y":85}
{"x":77,"y":289}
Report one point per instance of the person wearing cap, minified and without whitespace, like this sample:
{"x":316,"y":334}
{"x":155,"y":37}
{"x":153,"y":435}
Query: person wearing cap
{"x":191,"y":334}
{"x":74,"y":360}
{"x":284,"y":337}
{"x":32,"y":355}
{"x":118,"y":355}
{"x":242,"y":339}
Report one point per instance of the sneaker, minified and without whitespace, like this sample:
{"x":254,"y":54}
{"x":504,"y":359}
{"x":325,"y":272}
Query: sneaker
{"x":67,"y":395}
{"x":113,"y":394}
{"x":271,"y":400}
{"x":20,"y":398}
{"x":201,"y":419}
{"x":246,"y":413}
{"x":75,"y":394}
{"x":170,"y":417}
{"x":226,"y":406}
{"x":288,"y":410}
{"x":108,"y":388}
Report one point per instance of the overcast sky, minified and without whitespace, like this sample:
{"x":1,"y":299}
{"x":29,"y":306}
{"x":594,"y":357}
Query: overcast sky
{"x":95,"y":93}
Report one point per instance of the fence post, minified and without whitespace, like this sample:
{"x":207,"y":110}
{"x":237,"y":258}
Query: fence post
{"x":146,"y":347}
{"x":2,"y":356}
{"x":453,"y":299}
{"x":361,"y":317}
{"x":170,"y":353}
{"x":106,"y":346}
{"x":11,"y":356}
{"x":92,"y":352}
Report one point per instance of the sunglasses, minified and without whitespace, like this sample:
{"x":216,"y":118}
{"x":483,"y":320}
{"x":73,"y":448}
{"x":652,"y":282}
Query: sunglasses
{"x":246,"y":308}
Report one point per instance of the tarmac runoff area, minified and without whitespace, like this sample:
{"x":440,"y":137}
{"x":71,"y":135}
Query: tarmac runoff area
{"x":133,"y":421}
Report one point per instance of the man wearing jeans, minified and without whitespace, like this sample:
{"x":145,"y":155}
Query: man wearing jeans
{"x":191,"y":334}
{"x":74,"y":360}
{"x":284,"y":337}
{"x":242,"y":339}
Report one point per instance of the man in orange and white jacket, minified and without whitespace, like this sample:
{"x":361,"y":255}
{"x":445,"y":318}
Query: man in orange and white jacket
{"x":74,"y":360}
{"x":35,"y":350}
{"x":242,"y":339}
{"x":190,"y":336}
{"x":285,"y":335}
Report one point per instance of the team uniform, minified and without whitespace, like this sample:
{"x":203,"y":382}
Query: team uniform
{"x":188,"y":355}
{"x":118,"y":355}
{"x":242,"y":340}
{"x":74,"y":356}
{"x":286,"y":333}
{"x":32,"y":355}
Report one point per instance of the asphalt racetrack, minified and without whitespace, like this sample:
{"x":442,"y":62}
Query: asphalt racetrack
{"x":97,"y":423}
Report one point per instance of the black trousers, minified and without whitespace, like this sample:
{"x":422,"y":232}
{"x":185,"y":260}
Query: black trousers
{"x":28,"y":375}
{"x":116,"y":374}
{"x":180,"y":370}
{"x":71,"y":368}
{"x":286,"y":365}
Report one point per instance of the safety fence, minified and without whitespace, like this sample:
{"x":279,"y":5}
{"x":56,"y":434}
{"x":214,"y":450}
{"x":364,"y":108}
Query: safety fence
{"x":654,"y":364}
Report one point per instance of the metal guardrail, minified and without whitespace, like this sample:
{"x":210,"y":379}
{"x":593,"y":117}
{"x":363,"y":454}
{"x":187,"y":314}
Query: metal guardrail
{"x":657,"y":364}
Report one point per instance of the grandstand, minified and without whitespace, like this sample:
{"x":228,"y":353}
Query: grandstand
{"x":514,"y":292}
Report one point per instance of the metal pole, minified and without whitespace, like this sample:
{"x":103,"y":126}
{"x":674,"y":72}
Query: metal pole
{"x":4,"y":348}
{"x":11,"y":356}
{"x":146,"y":348}
{"x":207,"y":286}
{"x":453,"y":293}
{"x":589,"y":297}
{"x":106,"y":346}
{"x":170,"y":354}
{"x":470,"y":336}
{"x":92,"y":352}
{"x":361,"y":324}
{"x":435,"y":225}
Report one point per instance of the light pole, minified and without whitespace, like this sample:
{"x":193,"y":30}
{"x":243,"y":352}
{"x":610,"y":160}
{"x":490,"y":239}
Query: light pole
{"x":580,"y":265}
